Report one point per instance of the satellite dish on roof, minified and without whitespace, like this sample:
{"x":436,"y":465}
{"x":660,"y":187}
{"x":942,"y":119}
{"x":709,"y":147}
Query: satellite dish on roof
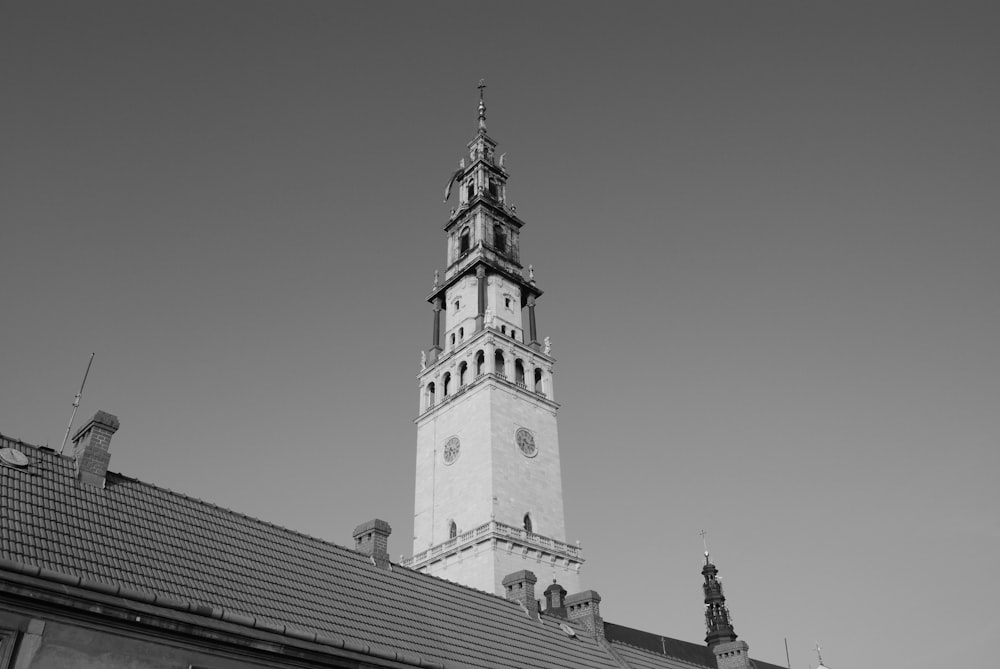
{"x":567,"y":630}
{"x":13,"y":457}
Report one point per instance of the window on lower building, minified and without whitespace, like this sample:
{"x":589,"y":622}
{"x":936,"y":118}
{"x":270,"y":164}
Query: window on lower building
{"x":7,"y":639}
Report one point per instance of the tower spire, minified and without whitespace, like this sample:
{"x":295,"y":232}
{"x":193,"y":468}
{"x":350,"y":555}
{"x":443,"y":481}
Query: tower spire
{"x":819,"y":656}
{"x":717,"y":619}
{"x":721,"y":638}
{"x":482,"y":107}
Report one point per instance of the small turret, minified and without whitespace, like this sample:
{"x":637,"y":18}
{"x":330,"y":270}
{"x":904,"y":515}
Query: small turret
{"x":717,"y":619}
{"x":721,"y":638}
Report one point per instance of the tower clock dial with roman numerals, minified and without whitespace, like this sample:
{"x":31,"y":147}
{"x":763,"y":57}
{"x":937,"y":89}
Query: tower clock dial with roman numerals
{"x":526,"y":442}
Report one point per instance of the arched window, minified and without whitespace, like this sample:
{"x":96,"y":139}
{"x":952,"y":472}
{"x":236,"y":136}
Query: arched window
{"x":462,"y":369}
{"x":519,"y":372}
{"x":503,"y":329}
{"x":498,"y":364}
{"x":470,"y":190}
{"x":527,"y":523}
{"x":430,"y":395}
{"x":446,"y":382}
{"x":538,"y":380}
{"x":452,"y":530}
{"x":513,"y":333}
{"x":480,"y":363}
{"x":452,"y":338}
{"x":493,"y":189}
{"x":464,"y":241}
{"x":461,"y":334}
{"x":499,"y":238}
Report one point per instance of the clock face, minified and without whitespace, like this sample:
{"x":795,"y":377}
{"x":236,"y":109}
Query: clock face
{"x":451,"y":449}
{"x":526,"y":442}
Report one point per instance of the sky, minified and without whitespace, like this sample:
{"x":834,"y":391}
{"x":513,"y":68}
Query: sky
{"x":767,"y":235}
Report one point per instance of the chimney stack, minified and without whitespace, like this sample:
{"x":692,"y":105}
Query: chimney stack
{"x":555,"y":599}
{"x":732,"y":655}
{"x":372,"y":539}
{"x":91,"y":446}
{"x":520,"y":587}
{"x":585,"y":607}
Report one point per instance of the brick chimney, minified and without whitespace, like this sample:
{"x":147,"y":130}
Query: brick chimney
{"x":372,"y":538}
{"x":555,"y":599}
{"x":520,"y":587}
{"x":732,"y":655}
{"x":585,"y":607}
{"x":91,"y":445}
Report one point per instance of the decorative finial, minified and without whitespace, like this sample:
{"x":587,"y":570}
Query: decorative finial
{"x":704,"y":543}
{"x":437,"y":277}
{"x":531,"y":273}
{"x":482,"y":107}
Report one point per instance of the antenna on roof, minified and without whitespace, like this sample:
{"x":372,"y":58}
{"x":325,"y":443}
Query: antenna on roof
{"x":788,"y":659}
{"x":76,"y":405}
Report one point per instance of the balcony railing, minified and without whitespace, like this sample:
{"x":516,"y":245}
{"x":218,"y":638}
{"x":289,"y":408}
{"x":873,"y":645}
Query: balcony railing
{"x":494,"y":529}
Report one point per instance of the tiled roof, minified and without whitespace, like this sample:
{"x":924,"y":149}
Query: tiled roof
{"x":650,"y":645}
{"x":142,"y":541}
{"x":141,"y":538}
{"x":644,"y":659}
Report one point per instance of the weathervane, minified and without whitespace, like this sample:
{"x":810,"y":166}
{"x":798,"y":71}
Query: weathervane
{"x":704,"y":542}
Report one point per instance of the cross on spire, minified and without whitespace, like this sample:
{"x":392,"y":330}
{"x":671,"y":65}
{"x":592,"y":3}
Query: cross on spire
{"x":704,"y":542}
{"x":482,"y":107}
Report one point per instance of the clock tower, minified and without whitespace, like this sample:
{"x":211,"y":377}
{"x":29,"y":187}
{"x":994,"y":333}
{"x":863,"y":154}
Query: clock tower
{"x":488,"y":499}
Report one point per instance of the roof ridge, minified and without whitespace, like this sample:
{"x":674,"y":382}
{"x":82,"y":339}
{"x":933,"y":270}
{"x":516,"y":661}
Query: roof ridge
{"x":213,"y":505}
{"x":617,"y":642}
{"x":192,"y":498}
{"x":4,"y":437}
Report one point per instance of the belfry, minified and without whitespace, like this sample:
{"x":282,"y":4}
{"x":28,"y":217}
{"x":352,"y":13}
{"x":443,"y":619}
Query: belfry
{"x":488,"y":498}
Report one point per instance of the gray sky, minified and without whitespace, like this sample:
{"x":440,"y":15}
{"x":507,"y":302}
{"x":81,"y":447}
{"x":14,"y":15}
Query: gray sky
{"x":767,"y":233}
